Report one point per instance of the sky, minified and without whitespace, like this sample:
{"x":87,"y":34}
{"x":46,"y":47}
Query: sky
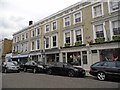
{"x":16,"y":14}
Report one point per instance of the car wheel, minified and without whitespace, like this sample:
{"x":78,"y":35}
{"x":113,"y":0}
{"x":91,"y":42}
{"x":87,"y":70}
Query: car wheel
{"x":71,"y":73}
{"x":101,"y":76}
{"x":25,"y":69}
{"x":49,"y":71}
{"x":34,"y":70}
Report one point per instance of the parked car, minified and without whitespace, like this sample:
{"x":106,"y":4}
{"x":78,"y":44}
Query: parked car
{"x":10,"y":67}
{"x":34,"y":66}
{"x":65,"y":69}
{"x":105,"y":69}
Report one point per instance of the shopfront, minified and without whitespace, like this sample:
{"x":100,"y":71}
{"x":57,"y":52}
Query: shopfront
{"x":51,"y":58}
{"x":109,"y":54}
{"x":78,"y":56}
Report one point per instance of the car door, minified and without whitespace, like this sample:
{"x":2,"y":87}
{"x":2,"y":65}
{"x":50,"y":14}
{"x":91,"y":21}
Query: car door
{"x":110,"y":68}
{"x":59,"y":68}
{"x":118,"y":68}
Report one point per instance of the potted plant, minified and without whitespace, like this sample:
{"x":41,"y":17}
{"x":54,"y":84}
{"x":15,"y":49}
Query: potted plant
{"x":67,"y":44}
{"x":78,"y":43}
{"x":116,"y":38}
{"x":100,"y":40}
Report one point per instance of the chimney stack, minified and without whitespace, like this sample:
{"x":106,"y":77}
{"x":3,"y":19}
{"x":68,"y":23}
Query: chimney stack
{"x":30,"y":23}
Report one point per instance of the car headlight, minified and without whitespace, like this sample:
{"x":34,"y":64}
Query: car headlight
{"x":40,"y":66}
{"x":76,"y":69}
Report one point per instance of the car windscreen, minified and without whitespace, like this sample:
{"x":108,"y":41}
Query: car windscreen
{"x":98,"y":64}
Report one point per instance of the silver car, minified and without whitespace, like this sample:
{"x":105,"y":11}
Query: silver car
{"x":10,"y":67}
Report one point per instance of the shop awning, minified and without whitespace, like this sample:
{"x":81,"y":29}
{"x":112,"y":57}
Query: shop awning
{"x":20,"y":56}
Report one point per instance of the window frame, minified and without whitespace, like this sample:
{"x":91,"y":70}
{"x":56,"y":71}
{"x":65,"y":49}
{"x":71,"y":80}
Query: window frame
{"x":47,"y":28}
{"x":102,"y":10}
{"x":32,"y":47}
{"x":76,"y":29}
{"x":67,"y":31}
{"x":48,"y":43}
{"x":111,"y":27}
{"x":75,"y":17}
{"x":37,"y":45}
{"x":109,"y":7}
{"x":53,"y":42}
{"x":53,"y":25}
{"x":104,"y":31}
{"x":67,"y":21}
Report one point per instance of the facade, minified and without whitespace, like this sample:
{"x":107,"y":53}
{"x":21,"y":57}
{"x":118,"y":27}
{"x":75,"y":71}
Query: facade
{"x":5,"y":48}
{"x":83,"y":34}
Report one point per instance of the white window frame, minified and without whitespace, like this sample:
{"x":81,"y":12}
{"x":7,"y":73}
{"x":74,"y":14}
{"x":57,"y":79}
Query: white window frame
{"x":80,"y":28}
{"x":32,"y":33}
{"x":37,"y":31}
{"x":45,"y":28}
{"x":70,"y":37}
{"x":93,"y":14}
{"x":45,"y":43}
{"x":75,"y":18}
{"x":111,"y":27}
{"x":56,"y":41}
{"x":104,"y":31}
{"x":23,"y":37}
{"x":26,"y":35}
{"x":37,"y":44}
{"x":109,"y":6}
{"x":26,"y":47}
{"x":52,"y":26}
{"x":34,"y":46}
{"x":69,"y":20}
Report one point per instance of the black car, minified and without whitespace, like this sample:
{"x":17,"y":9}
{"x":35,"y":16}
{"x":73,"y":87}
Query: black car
{"x":65,"y":69}
{"x":105,"y":69}
{"x":34,"y":66}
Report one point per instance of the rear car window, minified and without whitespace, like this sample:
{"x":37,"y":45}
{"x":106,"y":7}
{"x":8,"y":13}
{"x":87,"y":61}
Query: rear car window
{"x":110,"y":64}
{"x":118,"y":64}
{"x":98,"y":64}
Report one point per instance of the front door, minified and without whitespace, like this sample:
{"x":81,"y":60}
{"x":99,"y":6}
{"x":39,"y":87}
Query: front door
{"x":84,"y":59}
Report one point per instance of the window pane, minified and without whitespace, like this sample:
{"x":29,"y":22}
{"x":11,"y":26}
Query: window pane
{"x":47,"y":42}
{"x":67,"y":37}
{"x":54,"y":40}
{"x":54,"y":25}
{"x":111,"y":64}
{"x":98,"y":10}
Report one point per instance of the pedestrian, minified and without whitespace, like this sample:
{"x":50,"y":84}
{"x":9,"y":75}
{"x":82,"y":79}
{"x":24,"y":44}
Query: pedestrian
{"x":116,"y":58}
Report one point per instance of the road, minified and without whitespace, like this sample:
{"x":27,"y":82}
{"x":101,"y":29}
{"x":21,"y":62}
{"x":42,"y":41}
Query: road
{"x":30,"y":80}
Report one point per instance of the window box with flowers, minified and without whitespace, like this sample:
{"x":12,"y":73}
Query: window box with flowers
{"x":100,"y":40}
{"x":67,"y":44}
{"x":116,"y":38}
{"x":78,"y":43}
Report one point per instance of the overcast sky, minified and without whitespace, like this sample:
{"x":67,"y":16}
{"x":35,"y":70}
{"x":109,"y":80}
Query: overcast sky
{"x":15,"y":14}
